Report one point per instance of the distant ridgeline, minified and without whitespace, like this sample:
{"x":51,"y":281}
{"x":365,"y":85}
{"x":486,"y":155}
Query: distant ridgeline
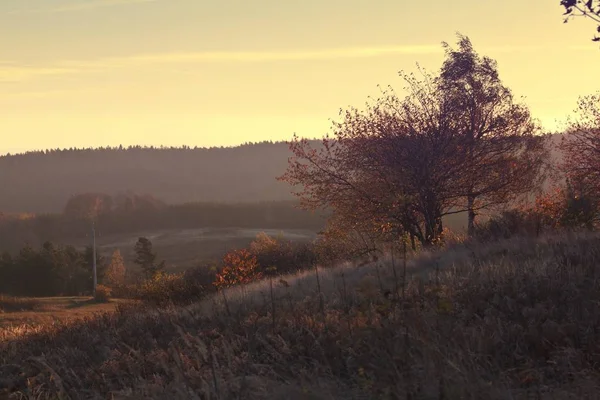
{"x":43,"y":181}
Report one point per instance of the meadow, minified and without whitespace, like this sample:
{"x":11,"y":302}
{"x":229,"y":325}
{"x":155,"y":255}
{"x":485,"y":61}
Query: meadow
{"x":185,"y":248}
{"x":18,"y":313}
{"x":515,"y":319}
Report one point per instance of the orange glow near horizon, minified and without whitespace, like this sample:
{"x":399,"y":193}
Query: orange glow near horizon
{"x":87,"y":73}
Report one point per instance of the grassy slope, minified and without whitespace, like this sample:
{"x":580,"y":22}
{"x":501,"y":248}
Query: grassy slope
{"x":509,"y":321}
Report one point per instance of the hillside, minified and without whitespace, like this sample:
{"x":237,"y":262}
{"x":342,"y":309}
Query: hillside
{"x":44,"y":181}
{"x":512,"y":320}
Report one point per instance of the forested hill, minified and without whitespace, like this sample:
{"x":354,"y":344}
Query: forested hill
{"x":44,"y":181}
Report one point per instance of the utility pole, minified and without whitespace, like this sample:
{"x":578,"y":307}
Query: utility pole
{"x":94,"y":257}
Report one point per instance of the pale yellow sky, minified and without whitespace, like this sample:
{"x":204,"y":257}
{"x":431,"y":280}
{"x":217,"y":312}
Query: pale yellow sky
{"x":79,"y":73}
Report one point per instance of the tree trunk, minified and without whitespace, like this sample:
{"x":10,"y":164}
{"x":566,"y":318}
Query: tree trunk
{"x":471,"y":216}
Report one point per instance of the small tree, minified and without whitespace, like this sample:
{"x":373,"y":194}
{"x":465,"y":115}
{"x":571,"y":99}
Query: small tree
{"x":145,"y":257}
{"x":580,"y":207}
{"x":115,"y":273}
{"x":581,"y":145}
{"x":239,"y":267}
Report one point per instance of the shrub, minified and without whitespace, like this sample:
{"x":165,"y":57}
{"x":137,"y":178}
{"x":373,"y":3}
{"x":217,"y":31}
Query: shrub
{"x":508,"y":224}
{"x":103,"y":294}
{"x":276,"y":255}
{"x":239,"y":267}
{"x":164,"y":288}
{"x":566,"y":207}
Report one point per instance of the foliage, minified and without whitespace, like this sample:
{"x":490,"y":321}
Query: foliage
{"x":115,"y":272}
{"x":560,"y":208}
{"x":88,"y":205}
{"x":103,"y":294}
{"x":164,"y":289}
{"x":586,"y":8}
{"x":503,"y":150}
{"x":277,"y":255}
{"x":581,"y":146}
{"x":145,"y":257}
{"x":49,"y":271}
{"x":484,"y":327}
{"x":457,"y":142}
{"x":239,"y":267}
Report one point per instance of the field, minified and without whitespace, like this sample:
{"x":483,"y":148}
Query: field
{"x":516,"y":319}
{"x":184,"y":248}
{"x":49,"y":310}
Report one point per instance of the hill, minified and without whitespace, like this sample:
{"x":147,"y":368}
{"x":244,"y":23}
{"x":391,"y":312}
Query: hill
{"x":512,"y":320}
{"x":43,"y":181}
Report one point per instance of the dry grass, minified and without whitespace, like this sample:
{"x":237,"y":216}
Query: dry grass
{"x":12,"y":304}
{"x":516,"y":320}
{"x":17,"y":314}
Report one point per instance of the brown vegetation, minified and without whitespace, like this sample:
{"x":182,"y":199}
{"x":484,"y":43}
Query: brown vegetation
{"x":506,"y":321}
{"x":456,"y":143}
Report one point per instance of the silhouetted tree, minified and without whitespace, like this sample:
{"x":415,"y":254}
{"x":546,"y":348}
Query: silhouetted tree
{"x":585,"y":8}
{"x":502,"y":146}
{"x":581,"y":151}
{"x":581,"y":144}
{"x":145,"y":257}
{"x":395,"y":164}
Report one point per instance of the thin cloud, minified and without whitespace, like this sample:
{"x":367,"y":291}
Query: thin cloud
{"x":14,"y":73}
{"x":81,"y":6}
{"x":11,"y":73}
{"x":250,"y":56}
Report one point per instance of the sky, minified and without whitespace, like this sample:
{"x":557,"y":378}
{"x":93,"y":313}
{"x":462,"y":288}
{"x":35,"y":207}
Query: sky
{"x":88,"y":73}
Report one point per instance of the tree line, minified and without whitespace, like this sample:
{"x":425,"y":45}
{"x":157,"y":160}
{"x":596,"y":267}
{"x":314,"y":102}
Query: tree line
{"x":49,"y":271}
{"x":57,"y":270}
{"x":42,"y":181}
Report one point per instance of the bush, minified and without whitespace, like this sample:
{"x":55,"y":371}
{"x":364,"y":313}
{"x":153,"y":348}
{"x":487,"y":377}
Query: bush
{"x":276,"y":255}
{"x":562,"y":208}
{"x":239,"y":267}
{"x":165,"y":288}
{"x":103,"y":294}
{"x":508,"y":224}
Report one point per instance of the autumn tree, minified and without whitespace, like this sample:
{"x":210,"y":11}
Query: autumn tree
{"x":392,"y":167}
{"x":581,"y":149}
{"x":88,"y":205}
{"x":115,"y":272}
{"x":503,"y":150}
{"x":239,"y":267}
{"x":145,"y":257}
{"x":583,"y":8}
